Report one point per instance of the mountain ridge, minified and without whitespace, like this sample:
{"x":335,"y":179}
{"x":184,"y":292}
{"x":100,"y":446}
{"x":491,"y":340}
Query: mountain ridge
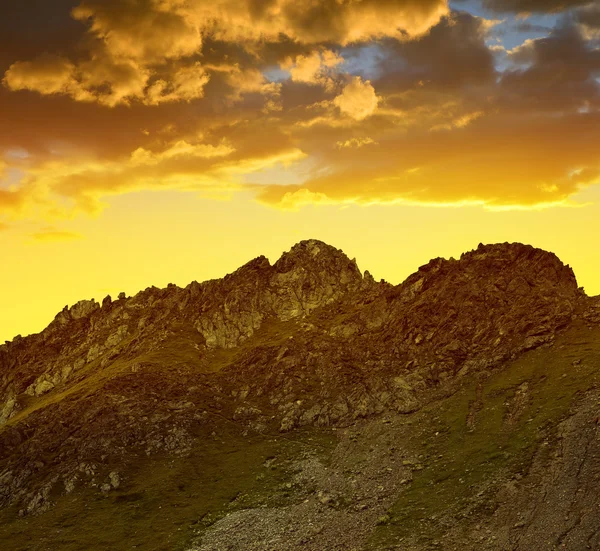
{"x":84,"y":307}
{"x":307,"y":343}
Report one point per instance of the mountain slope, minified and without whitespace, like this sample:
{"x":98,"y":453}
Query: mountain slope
{"x":308,"y":407}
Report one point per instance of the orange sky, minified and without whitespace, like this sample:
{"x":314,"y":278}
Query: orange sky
{"x":159,"y":141}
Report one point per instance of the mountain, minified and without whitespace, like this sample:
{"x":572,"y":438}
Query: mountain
{"x":303,"y":405}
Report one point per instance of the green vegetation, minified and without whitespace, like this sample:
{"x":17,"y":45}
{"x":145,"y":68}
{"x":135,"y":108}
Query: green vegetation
{"x":272,"y":333}
{"x":463,"y":446}
{"x":165,"y":502}
{"x":489,"y":429}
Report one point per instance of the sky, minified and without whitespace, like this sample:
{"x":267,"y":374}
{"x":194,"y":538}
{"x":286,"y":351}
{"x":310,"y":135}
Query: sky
{"x":147,"y":142}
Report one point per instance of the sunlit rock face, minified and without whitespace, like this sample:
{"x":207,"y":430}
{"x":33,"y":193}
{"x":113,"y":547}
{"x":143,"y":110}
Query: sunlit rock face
{"x":306,"y":342}
{"x":312,"y":274}
{"x":450,"y":315}
{"x":223,"y":312}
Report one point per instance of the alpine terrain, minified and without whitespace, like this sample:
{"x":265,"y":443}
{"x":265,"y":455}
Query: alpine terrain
{"x":302,"y":405}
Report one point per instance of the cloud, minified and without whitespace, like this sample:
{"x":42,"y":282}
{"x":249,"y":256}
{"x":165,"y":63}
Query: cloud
{"x":500,"y":162}
{"x":150,"y":50}
{"x":131,"y":46}
{"x":588,"y":18}
{"x":528,"y":27}
{"x":251,"y":81}
{"x":314,"y":68}
{"x":186,"y":84}
{"x":355,"y":142}
{"x":453,"y":54}
{"x":589,"y":15}
{"x":51,"y":234}
{"x":47,"y":74}
{"x":537,"y":6}
{"x":459,"y":122}
{"x":112,"y":82}
{"x":106,"y":81}
{"x":554,"y":73}
{"x":317,"y":22}
{"x":358,"y":100}
{"x":182,"y":165}
{"x":145,"y":30}
{"x":180,"y":150}
{"x":357,"y":107}
{"x":12,"y":200}
{"x":66,"y":187}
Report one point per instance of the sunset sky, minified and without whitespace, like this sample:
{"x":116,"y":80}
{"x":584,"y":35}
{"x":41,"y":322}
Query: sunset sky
{"x":144,"y":142}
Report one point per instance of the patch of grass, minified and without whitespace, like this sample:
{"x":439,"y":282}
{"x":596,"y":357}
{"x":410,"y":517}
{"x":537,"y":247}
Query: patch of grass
{"x":272,"y":333}
{"x":462,"y":461}
{"x":182,"y":348}
{"x":165,"y":502}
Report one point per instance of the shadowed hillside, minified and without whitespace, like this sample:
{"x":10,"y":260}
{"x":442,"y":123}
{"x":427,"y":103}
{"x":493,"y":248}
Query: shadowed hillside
{"x":302,"y":405}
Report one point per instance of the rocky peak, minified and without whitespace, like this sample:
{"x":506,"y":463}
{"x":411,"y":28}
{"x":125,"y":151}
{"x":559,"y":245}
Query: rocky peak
{"x":500,"y":263}
{"x":349,"y":348}
{"x":250,"y":269}
{"x":539,"y":267}
{"x":310,"y":275}
{"x":493,"y":302}
{"x":314,"y":255}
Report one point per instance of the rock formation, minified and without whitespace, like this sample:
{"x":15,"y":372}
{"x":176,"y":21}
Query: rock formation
{"x":308,"y":342}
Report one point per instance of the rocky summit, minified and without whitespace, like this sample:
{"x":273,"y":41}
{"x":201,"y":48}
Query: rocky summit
{"x":305,"y":406}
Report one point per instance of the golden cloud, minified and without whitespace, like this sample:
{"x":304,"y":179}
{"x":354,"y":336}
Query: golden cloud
{"x":358,"y":100}
{"x":134,"y":47}
{"x":145,"y":31}
{"x":355,"y":142}
{"x":186,"y":84}
{"x":48,"y":74}
{"x":458,"y":122}
{"x":106,"y":81}
{"x":511,"y":163}
{"x":51,"y":235}
{"x":61,"y":188}
{"x":180,"y":150}
{"x":340,"y":22}
{"x":250,"y":81}
{"x":450,"y":129}
{"x":314,"y":68}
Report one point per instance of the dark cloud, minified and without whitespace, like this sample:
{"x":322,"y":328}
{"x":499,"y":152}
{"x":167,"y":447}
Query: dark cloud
{"x":53,"y":127}
{"x":553,"y":73}
{"x":526,"y":27}
{"x":537,"y":6}
{"x":431,"y":119}
{"x":589,"y":16}
{"x":132,"y":46}
{"x":452,"y":54}
{"x":495,"y":161}
{"x":31,"y":27}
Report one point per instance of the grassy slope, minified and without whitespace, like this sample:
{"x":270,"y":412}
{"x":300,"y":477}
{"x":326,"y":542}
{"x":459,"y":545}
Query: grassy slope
{"x":165,"y":501}
{"x":486,"y":431}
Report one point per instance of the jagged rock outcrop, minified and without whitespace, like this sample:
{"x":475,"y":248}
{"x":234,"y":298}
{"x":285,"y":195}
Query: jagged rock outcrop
{"x":223,"y":312}
{"x":307,"y":341}
{"x":391,"y":345}
{"x":309,"y":276}
{"x":490,"y":304}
